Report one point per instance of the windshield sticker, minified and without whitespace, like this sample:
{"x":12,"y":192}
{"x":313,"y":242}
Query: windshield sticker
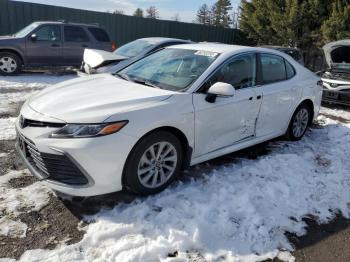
{"x":206,"y":53}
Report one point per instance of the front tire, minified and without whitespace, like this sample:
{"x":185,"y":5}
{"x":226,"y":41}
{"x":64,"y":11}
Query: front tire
{"x":153,"y":163}
{"x":10,"y":64}
{"x":299,"y":123}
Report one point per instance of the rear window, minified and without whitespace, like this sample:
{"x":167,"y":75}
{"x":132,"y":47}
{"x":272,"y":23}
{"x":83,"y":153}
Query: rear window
{"x":293,"y":53}
{"x":99,"y":34}
{"x":134,"y":48}
{"x":75,"y":34}
{"x":290,"y":70}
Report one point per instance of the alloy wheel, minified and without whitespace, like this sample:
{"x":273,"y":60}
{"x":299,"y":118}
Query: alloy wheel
{"x":300,"y":123}
{"x":157,"y":165}
{"x":8,"y":64}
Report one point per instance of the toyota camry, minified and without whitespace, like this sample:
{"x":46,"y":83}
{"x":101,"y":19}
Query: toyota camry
{"x":185,"y":104}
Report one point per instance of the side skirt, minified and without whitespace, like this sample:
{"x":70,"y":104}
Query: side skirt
{"x":233,"y":148}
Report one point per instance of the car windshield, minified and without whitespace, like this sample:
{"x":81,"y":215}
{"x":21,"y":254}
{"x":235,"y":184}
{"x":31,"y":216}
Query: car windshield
{"x":23,"y":32}
{"x":171,"y":68}
{"x":134,"y":48}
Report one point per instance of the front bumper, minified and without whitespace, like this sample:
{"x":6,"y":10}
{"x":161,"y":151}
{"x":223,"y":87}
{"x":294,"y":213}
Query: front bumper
{"x":336,"y":91}
{"x":97,"y":162}
{"x":341,"y":97}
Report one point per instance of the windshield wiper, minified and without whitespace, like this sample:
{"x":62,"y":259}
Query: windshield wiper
{"x":124,"y":76}
{"x":146,"y":83}
{"x":138,"y":81}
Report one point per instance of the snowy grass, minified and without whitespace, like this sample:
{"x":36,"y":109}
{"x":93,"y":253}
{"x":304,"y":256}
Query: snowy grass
{"x":11,"y":228}
{"x":16,"y":201}
{"x":238,"y":212}
{"x":7,"y":128}
{"x":335,"y":112}
{"x":9,"y":100}
{"x":16,"y":89}
{"x":31,"y":81}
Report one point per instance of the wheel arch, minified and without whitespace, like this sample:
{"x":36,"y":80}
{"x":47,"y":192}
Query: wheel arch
{"x":14,"y":51}
{"x":308,"y":102}
{"x":187,"y":149}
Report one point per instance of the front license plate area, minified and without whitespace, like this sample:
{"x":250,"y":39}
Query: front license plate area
{"x":330,"y":95}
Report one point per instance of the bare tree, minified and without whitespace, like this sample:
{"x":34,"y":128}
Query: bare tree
{"x":204,"y":15}
{"x":152,"y":12}
{"x":118,"y":12}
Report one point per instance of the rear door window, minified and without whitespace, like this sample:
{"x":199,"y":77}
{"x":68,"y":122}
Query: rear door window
{"x":75,"y":34}
{"x":99,"y":34}
{"x":273,"y":68}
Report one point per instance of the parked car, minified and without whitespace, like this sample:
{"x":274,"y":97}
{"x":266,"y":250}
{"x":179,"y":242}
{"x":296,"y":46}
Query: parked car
{"x":97,"y":61}
{"x":336,"y":79}
{"x":179,"y":106}
{"x":50,"y":44}
{"x":293,"y":52}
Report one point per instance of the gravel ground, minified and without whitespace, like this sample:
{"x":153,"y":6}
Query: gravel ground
{"x":60,"y":220}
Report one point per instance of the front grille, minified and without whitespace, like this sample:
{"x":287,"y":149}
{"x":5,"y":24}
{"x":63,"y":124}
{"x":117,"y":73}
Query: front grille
{"x":51,"y":166}
{"x":341,"y":97}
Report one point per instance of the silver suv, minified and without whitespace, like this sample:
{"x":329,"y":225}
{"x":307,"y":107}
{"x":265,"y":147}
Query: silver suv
{"x":50,"y":44}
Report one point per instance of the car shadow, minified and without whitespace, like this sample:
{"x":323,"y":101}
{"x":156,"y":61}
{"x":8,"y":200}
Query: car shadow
{"x":315,"y":232}
{"x":81,"y":206}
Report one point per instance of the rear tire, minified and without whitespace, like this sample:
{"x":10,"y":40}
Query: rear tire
{"x":299,"y":123}
{"x":153,"y":163}
{"x":10,"y":64}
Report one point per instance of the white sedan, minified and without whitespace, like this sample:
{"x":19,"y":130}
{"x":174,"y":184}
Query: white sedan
{"x":177,"y":107}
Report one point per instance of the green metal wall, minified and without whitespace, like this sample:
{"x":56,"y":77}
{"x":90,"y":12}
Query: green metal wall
{"x":16,"y":15}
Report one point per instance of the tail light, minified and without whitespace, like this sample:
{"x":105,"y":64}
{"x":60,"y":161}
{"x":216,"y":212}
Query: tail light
{"x":114,"y":46}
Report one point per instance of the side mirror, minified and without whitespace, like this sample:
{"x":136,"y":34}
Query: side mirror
{"x":33,"y":37}
{"x":219,"y":89}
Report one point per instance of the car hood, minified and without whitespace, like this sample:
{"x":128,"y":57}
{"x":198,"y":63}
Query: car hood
{"x":329,"y":52}
{"x":95,"y":58}
{"x":94,"y":98}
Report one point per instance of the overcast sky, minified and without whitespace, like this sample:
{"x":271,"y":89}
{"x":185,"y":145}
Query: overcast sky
{"x":186,"y":9}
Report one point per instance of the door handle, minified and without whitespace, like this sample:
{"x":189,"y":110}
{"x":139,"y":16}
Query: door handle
{"x":258,"y":97}
{"x":55,"y":45}
{"x":251,"y":98}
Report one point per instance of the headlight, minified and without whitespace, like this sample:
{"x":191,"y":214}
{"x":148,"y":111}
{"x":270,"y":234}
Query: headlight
{"x":88,"y":130}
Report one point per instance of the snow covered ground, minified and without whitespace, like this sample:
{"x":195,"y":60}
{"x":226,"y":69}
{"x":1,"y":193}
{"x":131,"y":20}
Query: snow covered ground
{"x":16,"y":89}
{"x":237,"y":211}
{"x":7,"y":130}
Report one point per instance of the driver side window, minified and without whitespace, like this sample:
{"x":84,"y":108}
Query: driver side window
{"x":49,"y":33}
{"x":240,"y":72}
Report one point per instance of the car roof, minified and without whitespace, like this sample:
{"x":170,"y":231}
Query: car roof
{"x":279,"y":47}
{"x":157,"y":40}
{"x":66,"y":23}
{"x":213,"y":47}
